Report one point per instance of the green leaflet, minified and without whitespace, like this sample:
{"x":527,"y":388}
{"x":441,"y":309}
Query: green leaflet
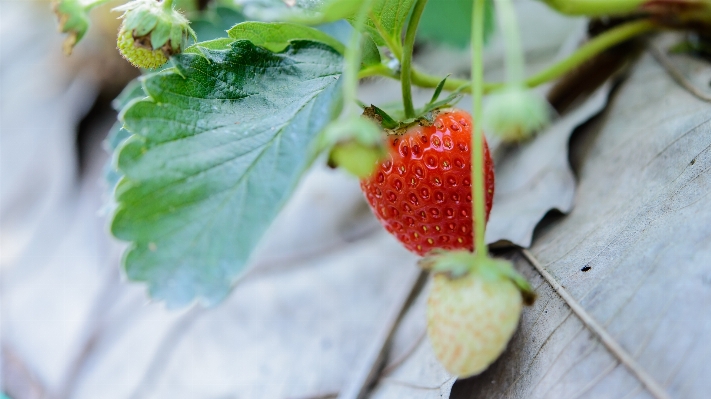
{"x":217,"y":149}
{"x":275,"y":36}
{"x":391,"y":16}
{"x":117,"y":134}
{"x":369,"y":50}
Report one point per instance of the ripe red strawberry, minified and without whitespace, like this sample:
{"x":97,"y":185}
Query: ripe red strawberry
{"x":421,"y":193}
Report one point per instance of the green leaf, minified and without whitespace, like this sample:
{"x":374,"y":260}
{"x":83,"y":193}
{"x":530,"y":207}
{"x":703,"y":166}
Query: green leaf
{"x":275,"y":36}
{"x":224,"y":43}
{"x":370,"y":55}
{"x":310,"y":12}
{"x":384,"y":24}
{"x":449,"y":22}
{"x":117,"y":135}
{"x":217,"y":149}
{"x":386,"y":20}
{"x":391,"y":16}
{"x":132,"y":91}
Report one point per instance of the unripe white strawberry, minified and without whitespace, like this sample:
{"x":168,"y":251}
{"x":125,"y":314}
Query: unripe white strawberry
{"x":151,"y":32}
{"x":473,"y":309}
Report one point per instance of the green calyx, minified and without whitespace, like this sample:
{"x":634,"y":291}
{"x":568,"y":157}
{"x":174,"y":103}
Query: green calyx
{"x":457,"y":264}
{"x":515,"y":113}
{"x":73,"y":19}
{"x":356,"y":145}
{"x":396,"y":121}
{"x":156,"y":25}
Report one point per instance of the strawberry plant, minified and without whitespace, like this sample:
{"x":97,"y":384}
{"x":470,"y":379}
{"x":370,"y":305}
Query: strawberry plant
{"x":213,"y":138}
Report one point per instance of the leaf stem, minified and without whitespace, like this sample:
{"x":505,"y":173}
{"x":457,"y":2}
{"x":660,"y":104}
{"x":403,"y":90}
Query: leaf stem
{"x":594,"y":7}
{"x":590,"y":49}
{"x":479,"y":217}
{"x":352,"y":55}
{"x":406,"y":64}
{"x":168,"y":5}
{"x":378,"y":70}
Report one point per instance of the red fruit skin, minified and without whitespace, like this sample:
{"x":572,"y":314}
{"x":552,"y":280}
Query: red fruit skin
{"x":421,"y":193}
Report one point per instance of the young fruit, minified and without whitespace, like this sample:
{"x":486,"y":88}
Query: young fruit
{"x":516,"y":113}
{"x":151,"y":32}
{"x":470,"y":319}
{"x":137,"y":52}
{"x":421,"y":192}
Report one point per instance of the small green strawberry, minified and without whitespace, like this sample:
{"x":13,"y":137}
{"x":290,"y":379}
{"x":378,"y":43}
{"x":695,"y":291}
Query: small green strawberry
{"x":356,"y":145}
{"x":137,"y":52}
{"x":516,"y":113}
{"x":151,"y":32}
{"x":473,"y":309}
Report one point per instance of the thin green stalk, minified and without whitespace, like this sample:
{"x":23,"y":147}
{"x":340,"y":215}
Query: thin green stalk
{"x":590,"y":49}
{"x":168,"y":5}
{"x":352,"y":56}
{"x":479,"y":217}
{"x":595,"y":46}
{"x":96,"y":4}
{"x":378,"y":70}
{"x":595,"y":7}
{"x":514,"y":52}
{"x":406,"y":65}
{"x":423,"y":79}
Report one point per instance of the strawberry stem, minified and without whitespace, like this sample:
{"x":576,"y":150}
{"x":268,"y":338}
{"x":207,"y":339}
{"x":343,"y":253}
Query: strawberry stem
{"x":352,"y":55}
{"x":590,"y":49}
{"x":514,"y":53}
{"x":594,"y":7}
{"x":479,"y":217}
{"x":406,"y":67}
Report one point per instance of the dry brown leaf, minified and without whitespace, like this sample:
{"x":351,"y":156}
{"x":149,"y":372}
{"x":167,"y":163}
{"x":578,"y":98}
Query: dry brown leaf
{"x":535,"y":177}
{"x":634,"y":254}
